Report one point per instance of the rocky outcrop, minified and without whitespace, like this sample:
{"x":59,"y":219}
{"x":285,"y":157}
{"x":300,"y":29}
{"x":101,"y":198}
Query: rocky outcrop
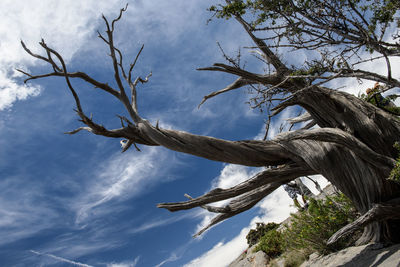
{"x":365,"y":256}
{"x":251,"y":259}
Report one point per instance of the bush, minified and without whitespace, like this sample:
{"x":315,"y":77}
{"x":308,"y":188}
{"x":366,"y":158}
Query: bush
{"x":294,"y":258}
{"x":310,"y":229}
{"x":272,"y":243}
{"x":261,"y":229}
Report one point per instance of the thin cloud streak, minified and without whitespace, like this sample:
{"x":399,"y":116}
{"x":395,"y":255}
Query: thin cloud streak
{"x":161,"y":222}
{"x":125,"y":176}
{"x":125,"y":264}
{"x":75,"y":263}
{"x":171,"y":258}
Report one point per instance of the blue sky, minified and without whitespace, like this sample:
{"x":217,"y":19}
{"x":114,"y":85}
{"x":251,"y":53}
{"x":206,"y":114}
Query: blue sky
{"x":76,"y":200}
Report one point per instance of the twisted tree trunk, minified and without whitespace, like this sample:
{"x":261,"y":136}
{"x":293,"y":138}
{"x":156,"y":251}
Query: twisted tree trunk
{"x":352,"y":145}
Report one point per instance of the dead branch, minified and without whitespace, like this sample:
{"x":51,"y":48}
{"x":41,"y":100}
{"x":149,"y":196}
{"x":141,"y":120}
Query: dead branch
{"x":243,"y":203}
{"x":283,"y":173}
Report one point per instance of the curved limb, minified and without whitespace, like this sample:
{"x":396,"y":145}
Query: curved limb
{"x":284,"y":173}
{"x":343,"y":138}
{"x":242,"y":203}
{"x":378,"y":212}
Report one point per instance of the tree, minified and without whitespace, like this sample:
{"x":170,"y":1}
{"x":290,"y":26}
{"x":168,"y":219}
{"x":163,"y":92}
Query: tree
{"x":352,"y":143}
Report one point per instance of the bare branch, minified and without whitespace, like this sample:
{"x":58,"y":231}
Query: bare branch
{"x":302,"y":118}
{"x":119,"y":17}
{"x":239,"y":82}
{"x":269,"y":55}
{"x":133,"y":64}
{"x":242,"y":203}
{"x":284,"y":173}
{"x":80,"y":75}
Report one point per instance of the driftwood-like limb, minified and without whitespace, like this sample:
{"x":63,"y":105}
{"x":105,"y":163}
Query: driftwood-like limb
{"x":302,"y":118}
{"x":211,"y":208}
{"x":284,"y":173}
{"x":378,"y":212}
{"x":243,"y":203}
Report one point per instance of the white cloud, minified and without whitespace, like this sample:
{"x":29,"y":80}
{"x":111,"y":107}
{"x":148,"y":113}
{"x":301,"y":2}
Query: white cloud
{"x":58,"y":22}
{"x":11,"y":91}
{"x":222,"y":253}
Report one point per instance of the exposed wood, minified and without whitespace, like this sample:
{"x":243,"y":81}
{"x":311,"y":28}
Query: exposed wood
{"x":352,"y":145}
{"x":283,"y":173}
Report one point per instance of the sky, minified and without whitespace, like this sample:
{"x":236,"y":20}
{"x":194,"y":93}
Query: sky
{"x":77,"y":200}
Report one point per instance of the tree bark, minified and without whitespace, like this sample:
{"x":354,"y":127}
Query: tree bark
{"x":352,"y":146}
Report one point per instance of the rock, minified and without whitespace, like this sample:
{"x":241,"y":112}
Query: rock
{"x":364,"y":256}
{"x":251,"y":259}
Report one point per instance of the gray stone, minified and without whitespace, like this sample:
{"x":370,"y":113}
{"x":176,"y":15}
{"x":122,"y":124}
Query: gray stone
{"x":251,"y":259}
{"x":364,"y":256}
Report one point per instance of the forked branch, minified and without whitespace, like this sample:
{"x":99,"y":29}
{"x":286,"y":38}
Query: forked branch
{"x":243,"y":203}
{"x":283,"y":173}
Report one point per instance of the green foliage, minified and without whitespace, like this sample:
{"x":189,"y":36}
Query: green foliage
{"x":377,"y":14}
{"x":383,"y":12}
{"x":395,"y":173}
{"x":381,"y":102}
{"x":272,"y":243}
{"x":235,"y":8}
{"x":261,"y":229}
{"x":310,"y":229}
{"x":307,"y":231}
{"x":294,"y":258}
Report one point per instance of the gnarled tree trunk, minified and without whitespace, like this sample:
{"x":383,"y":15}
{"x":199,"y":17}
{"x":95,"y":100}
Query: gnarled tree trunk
{"x":352,"y":145}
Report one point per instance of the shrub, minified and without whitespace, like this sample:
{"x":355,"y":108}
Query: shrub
{"x":261,"y":229}
{"x":310,"y":229}
{"x":272,"y":243}
{"x":294,"y":258}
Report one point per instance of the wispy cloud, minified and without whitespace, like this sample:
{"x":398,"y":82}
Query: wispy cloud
{"x":173,"y":257}
{"x":160,"y":222}
{"x":125,"y":264}
{"x":21,"y":215}
{"x":122,"y":177}
{"x":74,"y":263}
